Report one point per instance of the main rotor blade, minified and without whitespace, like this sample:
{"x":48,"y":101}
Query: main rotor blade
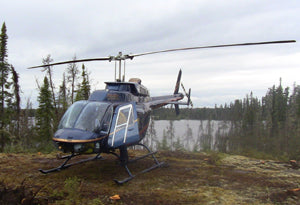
{"x":73,"y":61}
{"x":215,"y":46}
{"x":131,"y":56}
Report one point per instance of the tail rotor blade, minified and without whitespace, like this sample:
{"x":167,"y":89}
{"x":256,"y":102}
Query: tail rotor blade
{"x":176,"y":91}
{"x":189,"y":98}
{"x":178,"y":82}
{"x":188,"y":95}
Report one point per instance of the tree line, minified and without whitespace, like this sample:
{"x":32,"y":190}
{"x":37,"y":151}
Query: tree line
{"x":32,"y":129}
{"x":269,"y":125}
{"x":9,"y":94}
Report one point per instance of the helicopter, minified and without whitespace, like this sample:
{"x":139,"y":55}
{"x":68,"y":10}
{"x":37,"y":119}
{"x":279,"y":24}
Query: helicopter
{"x":118,"y":116}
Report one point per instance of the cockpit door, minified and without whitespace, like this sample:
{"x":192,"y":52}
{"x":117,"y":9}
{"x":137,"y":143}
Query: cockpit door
{"x":124,"y":129}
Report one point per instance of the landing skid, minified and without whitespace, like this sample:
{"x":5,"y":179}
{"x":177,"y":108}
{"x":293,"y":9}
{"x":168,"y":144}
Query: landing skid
{"x":124,"y":162}
{"x":123,"y":157}
{"x":64,"y":165}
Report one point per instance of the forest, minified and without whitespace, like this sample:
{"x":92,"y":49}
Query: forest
{"x":27,"y":129}
{"x":268,"y":126}
{"x":251,"y":126}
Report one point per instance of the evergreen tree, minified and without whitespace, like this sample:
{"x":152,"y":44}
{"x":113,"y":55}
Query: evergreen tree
{"x":84,"y":88}
{"x":62,"y":97}
{"x":250,"y":133}
{"x":45,"y":112}
{"x":4,"y":72}
{"x":275,"y":112}
{"x":293,"y":122}
{"x":17,"y":99}
{"x":5,"y":94}
{"x":16,"y":88}
{"x":3,"y":43}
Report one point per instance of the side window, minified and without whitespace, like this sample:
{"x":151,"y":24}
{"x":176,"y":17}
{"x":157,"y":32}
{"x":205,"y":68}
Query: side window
{"x":131,"y":117}
{"x":124,"y":126}
{"x":123,"y":115}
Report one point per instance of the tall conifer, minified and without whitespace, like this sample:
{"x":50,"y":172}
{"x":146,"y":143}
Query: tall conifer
{"x":4,"y":72}
{"x":45,"y":111}
{"x":5,"y":94}
{"x":84,"y":88}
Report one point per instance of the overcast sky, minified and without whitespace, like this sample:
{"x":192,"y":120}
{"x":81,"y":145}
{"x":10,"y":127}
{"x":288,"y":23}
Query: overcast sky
{"x":90,"y":29}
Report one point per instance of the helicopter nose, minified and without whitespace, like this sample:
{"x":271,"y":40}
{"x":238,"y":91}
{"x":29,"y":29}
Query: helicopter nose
{"x":74,"y":135}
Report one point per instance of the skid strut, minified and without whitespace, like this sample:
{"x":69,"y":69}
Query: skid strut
{"x":64,"y":165}
{"x":124,"y":162}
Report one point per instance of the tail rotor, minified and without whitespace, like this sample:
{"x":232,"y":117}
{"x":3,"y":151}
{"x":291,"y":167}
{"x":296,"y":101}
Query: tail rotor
{"x":176,"y":91}
{"x":188,"y":95}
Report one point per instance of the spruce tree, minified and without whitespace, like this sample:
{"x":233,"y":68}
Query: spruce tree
{"x":16,"y":89}
{"x":5,"y":94}
{"x":294,"y":123}
{"x":45,"y":112}
{"x":3,"y":45}
{"x":84,"y":88}
{"x":4,"y":72}
{"x":17,"y":99}
{"x":62,"y":96}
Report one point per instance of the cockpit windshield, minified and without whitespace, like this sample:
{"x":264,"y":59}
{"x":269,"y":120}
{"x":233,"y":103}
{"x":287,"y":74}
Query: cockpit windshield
{"x":85,"y":115}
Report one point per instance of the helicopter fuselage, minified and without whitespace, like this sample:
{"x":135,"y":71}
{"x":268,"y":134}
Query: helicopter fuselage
{"x":88,"y":126}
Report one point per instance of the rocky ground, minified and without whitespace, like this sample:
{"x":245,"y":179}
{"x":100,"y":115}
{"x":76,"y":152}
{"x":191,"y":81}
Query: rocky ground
{"x":187,"y":178}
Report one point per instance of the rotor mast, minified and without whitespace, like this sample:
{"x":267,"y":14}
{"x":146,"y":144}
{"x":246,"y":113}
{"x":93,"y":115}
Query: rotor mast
{"x":118,"y":60}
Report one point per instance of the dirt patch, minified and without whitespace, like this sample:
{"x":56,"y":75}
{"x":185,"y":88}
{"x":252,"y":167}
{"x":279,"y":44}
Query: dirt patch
{"x":16,"y":195}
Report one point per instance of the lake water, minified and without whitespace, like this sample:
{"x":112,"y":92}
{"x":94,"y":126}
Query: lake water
{"x":191,"y":134}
